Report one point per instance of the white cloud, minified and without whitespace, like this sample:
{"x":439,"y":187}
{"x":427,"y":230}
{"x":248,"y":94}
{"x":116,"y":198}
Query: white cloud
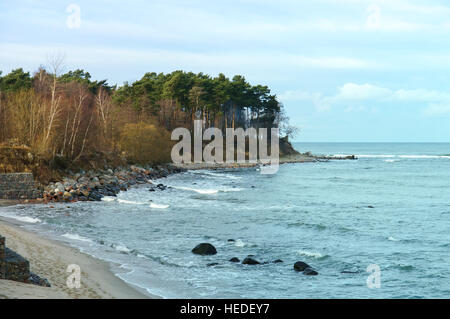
{"x":353,"y":97}
{"x":352,"y":91}
{"x":437,"y":109}
{"x":19,"y":54}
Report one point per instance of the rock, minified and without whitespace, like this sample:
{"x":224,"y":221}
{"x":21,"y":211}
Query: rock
{"x":231,"y":240}
{"x":370,"y":207}
{"x":250,"y":261}
{"x":204,"y":249}
{"x":212,"y":264}
{"x":67,"y":196}
{"x":277,"y":261}
{"x":36,"y":280}
{"x":234,"y":260}
{"x":301,"y":266}
{"x":310,"y":272}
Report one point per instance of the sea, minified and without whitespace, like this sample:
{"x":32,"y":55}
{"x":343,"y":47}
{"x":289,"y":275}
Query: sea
{"x":376,"y":227}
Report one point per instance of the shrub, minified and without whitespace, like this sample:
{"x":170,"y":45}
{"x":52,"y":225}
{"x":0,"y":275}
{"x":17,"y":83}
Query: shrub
{"x":146,"y":143}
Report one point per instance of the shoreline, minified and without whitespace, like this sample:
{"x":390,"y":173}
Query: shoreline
{"x":49,"y":258}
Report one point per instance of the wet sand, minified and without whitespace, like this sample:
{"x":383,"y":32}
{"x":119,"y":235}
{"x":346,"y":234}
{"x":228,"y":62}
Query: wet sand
{"x":49,"y":259}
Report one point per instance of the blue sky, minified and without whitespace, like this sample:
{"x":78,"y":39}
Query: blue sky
{"x":346,"y":70}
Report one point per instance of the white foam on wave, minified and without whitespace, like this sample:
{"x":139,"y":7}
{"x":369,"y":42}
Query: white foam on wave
{"x":392,"y":239}
{"x":121,"y":248}
{"x":231,"y":189}
{"x":391,"y":161}
{"x":24,"y":219}
{"x":108,"y":199}
{"x":124,"y":201}
{"x":159,"y":206}
{"x":76,"y":237}
{"x":200,"y":191}
{"x":424,"y":156}
{"x":396,"y":156}
{"x":239,"y":243}
{"x":309,"y":254}
{"x":210,"y":191}
{"x":223,"y":175}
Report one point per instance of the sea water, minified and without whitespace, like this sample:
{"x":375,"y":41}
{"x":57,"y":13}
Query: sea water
{"x":389,"y":208}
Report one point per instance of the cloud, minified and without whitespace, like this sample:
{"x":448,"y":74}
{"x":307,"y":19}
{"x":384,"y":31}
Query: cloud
{"x":352,"y":91}
{"x":14,"y":55}
{"x":437,"y":109}
{"x":353,"y":96}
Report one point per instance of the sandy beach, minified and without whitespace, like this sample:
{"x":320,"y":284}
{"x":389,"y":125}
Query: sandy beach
{"x":50,"y":259}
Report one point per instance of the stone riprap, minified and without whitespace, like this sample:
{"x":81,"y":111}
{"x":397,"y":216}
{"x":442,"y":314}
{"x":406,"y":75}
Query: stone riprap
{"x":93,"y":185}
{"x":19,"y":186}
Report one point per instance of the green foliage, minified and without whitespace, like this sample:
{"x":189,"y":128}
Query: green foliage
{"x":84,"y":77}
{"x":16,"y":80}
{"x":188,"y":92}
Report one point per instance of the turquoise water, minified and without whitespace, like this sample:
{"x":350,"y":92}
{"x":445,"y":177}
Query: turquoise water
{"x":390,"y":208}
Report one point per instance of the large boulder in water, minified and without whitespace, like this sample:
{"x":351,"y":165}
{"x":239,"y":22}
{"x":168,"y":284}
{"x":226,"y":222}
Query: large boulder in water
{"x":301,"y":266}
{"x":204,"y":249}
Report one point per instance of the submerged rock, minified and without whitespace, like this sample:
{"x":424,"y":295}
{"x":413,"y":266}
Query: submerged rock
{"x":234,"y":260}
{"x":301,"y":266}
{"x":212,"y":264}
{"x":277,"y":261}
{"x":310,"y":272}
{"x":204,"y":249}
{"x":250,"y":261}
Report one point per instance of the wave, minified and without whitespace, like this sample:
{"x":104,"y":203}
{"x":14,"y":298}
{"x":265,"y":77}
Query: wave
{"x":395,"y":156}
{"x":159,"y":206}
{"x":108,"y":199}
{"x":391,"y":160}
{"x":121,"y":248}
{"x":124,"y":201}
{"x":24,"y":219}
{"x":240,"y":243}
{"x":309,"y":254}
{"x":76,"y":237}
{"x":209,"y":191}
{"x":221,"y":175}
{"x":392,"y":239}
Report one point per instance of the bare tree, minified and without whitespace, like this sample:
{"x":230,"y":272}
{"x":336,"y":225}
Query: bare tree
{"x":285,"y":128}
{"x":55,"y":66}
{"x":103,"y":103}
{"x":82,"y":95}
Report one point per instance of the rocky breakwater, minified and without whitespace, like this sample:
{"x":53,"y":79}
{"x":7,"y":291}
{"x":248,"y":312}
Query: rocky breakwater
{"x":94,"y":185}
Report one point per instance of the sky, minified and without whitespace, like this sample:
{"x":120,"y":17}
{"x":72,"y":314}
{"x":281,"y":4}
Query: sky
{"x":345,"y":70}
